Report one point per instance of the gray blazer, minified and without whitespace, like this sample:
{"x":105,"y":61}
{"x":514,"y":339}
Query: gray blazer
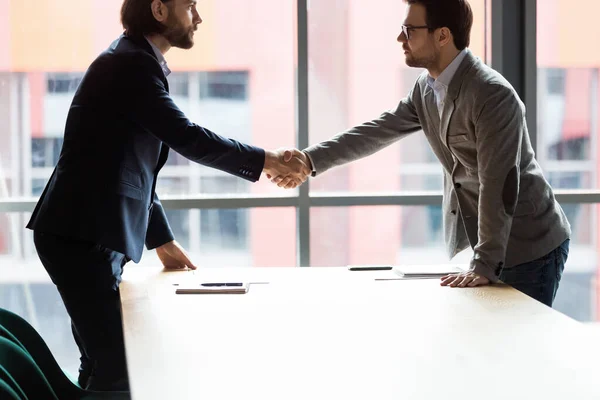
{"x":495,"y":196}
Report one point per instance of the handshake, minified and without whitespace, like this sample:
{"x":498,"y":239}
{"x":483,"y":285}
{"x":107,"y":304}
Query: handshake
{"x":287,"y":168}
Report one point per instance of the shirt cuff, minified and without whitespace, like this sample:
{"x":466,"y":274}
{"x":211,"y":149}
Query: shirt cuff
{"x":492,"y":274}
{"x":312,"y":164}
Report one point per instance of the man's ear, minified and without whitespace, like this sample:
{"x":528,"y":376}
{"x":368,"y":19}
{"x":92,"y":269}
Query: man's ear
{"x":160,"y":11}
{"x":445,"y":36}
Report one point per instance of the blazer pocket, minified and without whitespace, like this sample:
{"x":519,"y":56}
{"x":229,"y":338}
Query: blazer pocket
{"x":125,"y":189}
{"x":524,"y":208}
{"x":452,"y":139}
{"x":131,"y":177}
{"x":130,"y":183}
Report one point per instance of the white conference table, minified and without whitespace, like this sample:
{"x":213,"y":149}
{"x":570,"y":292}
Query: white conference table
{"x":328,"y":333}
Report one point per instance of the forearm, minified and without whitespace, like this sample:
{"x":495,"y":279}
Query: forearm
{"x":362,"y":140}
{"x":494,"y":226}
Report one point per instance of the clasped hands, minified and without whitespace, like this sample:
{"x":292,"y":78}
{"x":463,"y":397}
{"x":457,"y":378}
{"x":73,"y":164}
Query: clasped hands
{"x":287,"y":168}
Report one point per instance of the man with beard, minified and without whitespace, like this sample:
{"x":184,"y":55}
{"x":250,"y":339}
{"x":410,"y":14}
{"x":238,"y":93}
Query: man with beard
{"x":100,"y":205}
{"x":496,"y":199}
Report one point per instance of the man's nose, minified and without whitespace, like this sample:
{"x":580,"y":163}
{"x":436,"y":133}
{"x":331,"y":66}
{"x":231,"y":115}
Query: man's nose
{"x":197,"y":19}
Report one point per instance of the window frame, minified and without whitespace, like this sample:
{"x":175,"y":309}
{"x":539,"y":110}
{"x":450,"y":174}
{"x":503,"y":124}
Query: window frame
{"x":513,"y":53}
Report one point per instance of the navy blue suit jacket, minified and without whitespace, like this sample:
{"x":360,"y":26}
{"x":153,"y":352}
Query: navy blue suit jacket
{"x":119,"y":129}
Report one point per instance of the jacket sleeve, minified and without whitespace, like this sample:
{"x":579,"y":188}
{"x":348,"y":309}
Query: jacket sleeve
{"x":499,"y":129}
{"x":159,"y":232}
{"x":366,"y":139}
{"x":149,"y":105}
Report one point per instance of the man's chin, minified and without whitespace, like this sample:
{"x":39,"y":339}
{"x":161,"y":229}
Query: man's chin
{"x":184,"y":44}
{"x":189,"y":43}
{"x":187,"y":46}
{"x":411,"y":62}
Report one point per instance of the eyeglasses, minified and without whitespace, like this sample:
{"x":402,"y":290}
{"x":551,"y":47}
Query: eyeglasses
{"x":408,"y":29}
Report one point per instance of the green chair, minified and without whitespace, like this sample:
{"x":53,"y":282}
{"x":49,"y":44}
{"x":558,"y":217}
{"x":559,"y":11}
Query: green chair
{"x":21,"y":367}
{"x":32,"y":343}
{"x":8,"y":380}
{"x":29,"y":339}
{"x":6,"y":334}
{"x":7,"y":392}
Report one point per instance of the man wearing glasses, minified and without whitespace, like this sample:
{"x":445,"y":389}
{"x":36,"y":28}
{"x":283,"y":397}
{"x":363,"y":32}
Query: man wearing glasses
{"x":496,"y":199}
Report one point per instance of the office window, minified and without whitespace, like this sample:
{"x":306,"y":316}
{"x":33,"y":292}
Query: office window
{"x":256,"y":237}
{"x":378,"y":235}
{"x":567,"y":115}
{"x":228,"y":85}
{"x":212,"y":228}
{"x":555,"y":81}
{"x":62,"y":82}
{"x":176,"y":159}
{"x":45,"y":151}
{"x":223,"y":227}
{"x":568,"y":119}
{"x":178,"y":84}
{"x":217,"y":91}
{"x":567,"y":137}
{"x":238,"y":82}
{"x":357,"y":71}
{"x":568,"y":89}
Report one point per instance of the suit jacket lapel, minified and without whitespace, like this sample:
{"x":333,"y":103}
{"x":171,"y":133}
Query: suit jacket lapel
{"x":453,"y":92}
{"x":164,"y":149}
{"x":446,"y":115}
{"x":434,"y":119}
{"x":431,"y":108}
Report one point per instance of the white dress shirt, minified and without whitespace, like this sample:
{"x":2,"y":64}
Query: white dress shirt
{"x":440,"y":85}
{"x":160,"y":57}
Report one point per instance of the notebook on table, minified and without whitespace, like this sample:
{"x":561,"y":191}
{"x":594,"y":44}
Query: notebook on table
{"x":428,"y":270}
{"x":212,"y":288}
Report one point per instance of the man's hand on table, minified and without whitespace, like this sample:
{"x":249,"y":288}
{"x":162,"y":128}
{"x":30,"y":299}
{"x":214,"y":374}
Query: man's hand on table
{"x":464,"y":279}
{"x":173,"y":256}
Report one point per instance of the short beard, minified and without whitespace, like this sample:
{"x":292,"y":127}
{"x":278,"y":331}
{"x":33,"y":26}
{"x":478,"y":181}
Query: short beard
{"x":177,"y":35}
{"x":422,"y":62}
{"x":428,"y":61}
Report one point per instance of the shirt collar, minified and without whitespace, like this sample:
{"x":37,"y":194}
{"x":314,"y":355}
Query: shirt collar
{"x":160,"y":58}
{"x":447,"y":74}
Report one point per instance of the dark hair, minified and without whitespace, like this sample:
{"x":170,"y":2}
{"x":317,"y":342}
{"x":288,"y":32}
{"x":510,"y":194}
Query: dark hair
{"x":455,"y":15}
{"x":137,"y":18}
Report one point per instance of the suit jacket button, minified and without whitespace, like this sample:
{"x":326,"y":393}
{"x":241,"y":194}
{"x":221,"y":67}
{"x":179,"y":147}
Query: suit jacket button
{"x":457,"y":186}
{"x":453,"y":212}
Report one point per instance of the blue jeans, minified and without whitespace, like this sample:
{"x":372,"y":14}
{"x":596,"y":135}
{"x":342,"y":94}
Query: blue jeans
{"x":539,"y":278}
